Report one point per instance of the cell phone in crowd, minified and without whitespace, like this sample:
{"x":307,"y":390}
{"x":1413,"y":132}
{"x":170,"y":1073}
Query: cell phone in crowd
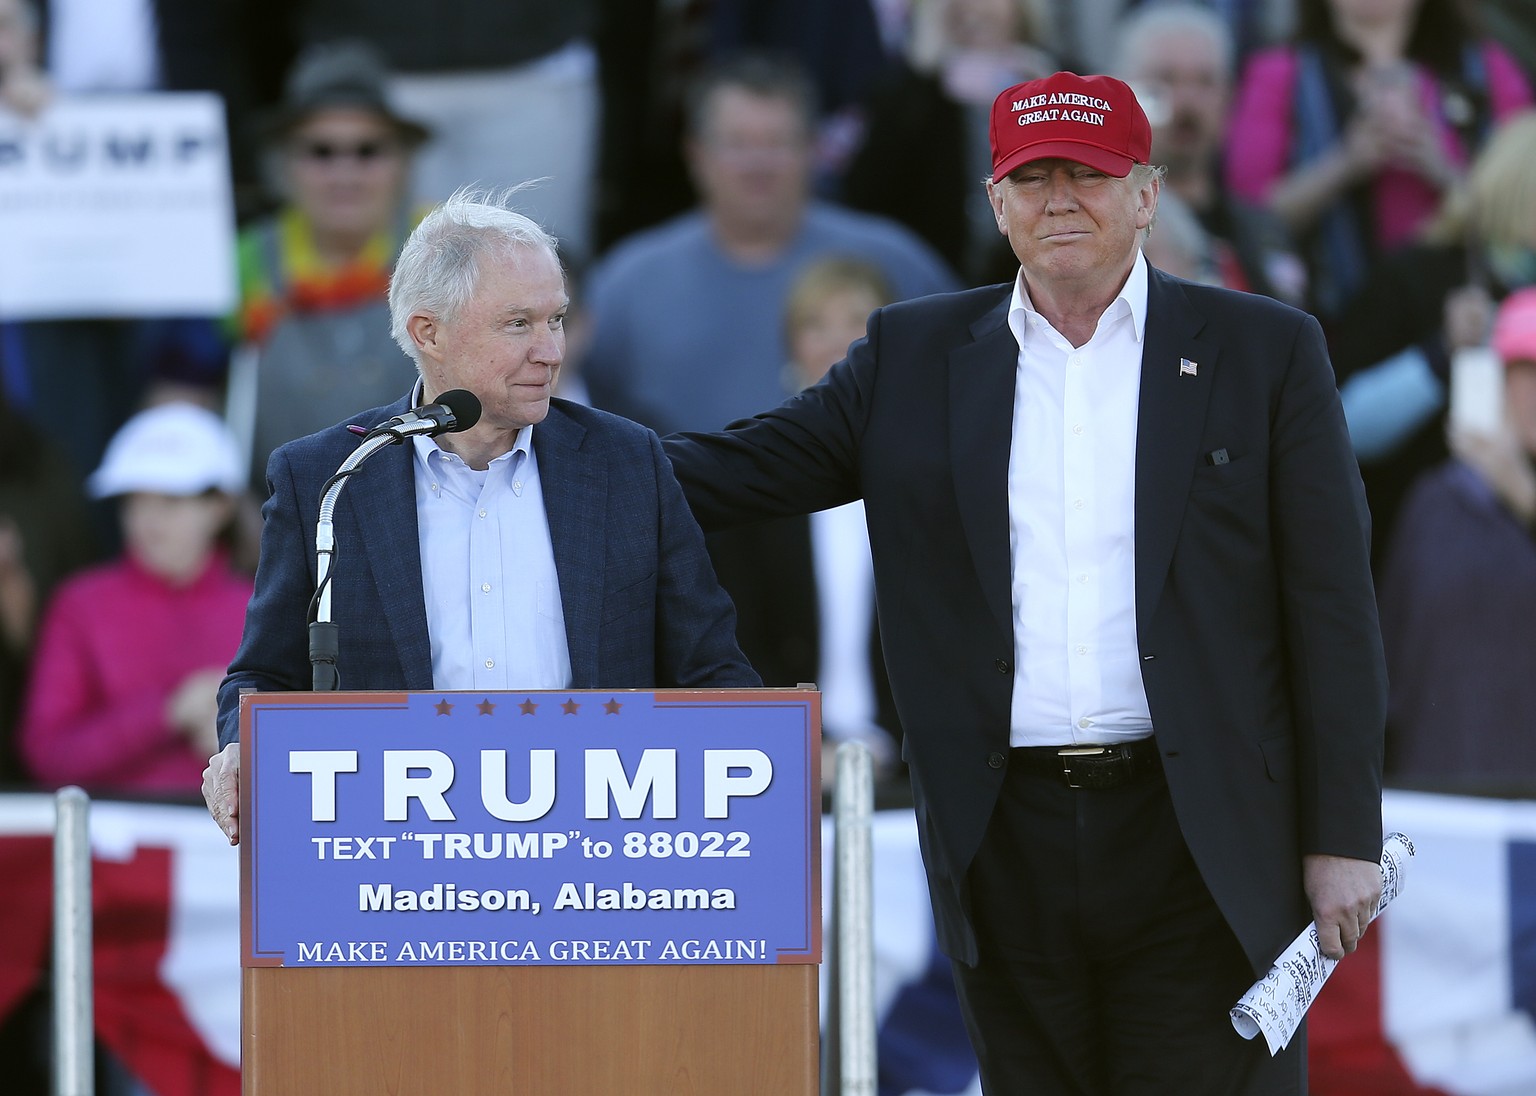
{"x":1477,"y":391}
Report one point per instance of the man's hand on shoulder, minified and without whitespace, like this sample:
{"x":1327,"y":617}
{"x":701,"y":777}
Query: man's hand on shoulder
{"x":1343,"y":892}
{"x":221,"y":790}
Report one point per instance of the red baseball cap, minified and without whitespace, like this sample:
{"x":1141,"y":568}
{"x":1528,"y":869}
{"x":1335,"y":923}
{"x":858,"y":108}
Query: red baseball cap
{"x":1514,"y":328}
{"x":1092,"y":120}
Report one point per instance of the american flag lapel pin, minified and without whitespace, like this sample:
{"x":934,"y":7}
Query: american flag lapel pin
{"x":1188,"y":368}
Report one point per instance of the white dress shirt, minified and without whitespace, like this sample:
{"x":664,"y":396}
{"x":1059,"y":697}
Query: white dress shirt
{"x":845,"y":587}
{"x":1071,"y":521}
{"x":488,"y":571}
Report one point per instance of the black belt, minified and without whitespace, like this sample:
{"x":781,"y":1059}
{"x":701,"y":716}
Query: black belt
{"x":1089,"y":766}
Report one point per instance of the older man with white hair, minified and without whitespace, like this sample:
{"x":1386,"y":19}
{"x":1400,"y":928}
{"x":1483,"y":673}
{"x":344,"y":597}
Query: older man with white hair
{"x":1180,"y":58}
{"x":545,"y":547}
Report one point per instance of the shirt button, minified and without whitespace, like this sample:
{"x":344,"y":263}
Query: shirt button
{"x":995,"y":760}
{"x":1085,"y":723}
{"x":1082,"y":578}
{"x":485,"y":587}
{"x":517,"y":485}
{"x":1081,"y":649}
{"x":483,"y":513}
{"x":490,"y":663}
{"x":1077,"y":429}
{"x":1002,"y":665}
{"x":1077,"y":504}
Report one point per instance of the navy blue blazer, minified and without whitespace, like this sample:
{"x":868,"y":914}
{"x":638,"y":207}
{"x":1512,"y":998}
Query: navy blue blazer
{"x":1255,"y":616}
{"x":642,"y":606}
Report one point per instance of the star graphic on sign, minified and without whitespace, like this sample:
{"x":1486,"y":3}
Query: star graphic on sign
{"x":443,"y":707}
{"x":485,"y":707}
{"x":528,"y":707}
{"x":611,"y":707}
{"x":569,"y":707}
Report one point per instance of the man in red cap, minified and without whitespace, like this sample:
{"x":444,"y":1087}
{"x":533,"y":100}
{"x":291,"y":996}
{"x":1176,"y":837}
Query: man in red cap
{"x":1121,"y":567}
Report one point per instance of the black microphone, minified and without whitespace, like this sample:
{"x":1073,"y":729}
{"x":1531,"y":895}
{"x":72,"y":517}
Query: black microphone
{"x":453,"y":411}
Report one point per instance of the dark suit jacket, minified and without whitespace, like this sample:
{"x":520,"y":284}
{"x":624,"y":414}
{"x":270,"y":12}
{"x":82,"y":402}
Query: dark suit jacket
{"x":642,"y":607}
{"x":1256,"y":621}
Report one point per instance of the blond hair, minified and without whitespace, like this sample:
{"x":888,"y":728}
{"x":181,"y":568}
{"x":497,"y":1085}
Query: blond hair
{"x":825,"y":277}
{"x":1497,"y":201}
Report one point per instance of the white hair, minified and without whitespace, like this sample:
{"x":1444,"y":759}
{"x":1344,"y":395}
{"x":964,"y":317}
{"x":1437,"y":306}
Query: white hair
{"x":1180,"y":16}
{"x":1142,"y":174}
{"x":439,"y":266}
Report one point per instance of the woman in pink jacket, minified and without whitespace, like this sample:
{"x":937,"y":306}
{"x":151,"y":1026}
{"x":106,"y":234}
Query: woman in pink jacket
{"x":1353,"y":133}
{"x":131,"y":653}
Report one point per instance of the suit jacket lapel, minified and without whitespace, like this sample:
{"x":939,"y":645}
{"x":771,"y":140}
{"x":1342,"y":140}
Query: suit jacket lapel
{"x":383,"y":500}
{"x":1170,"y":422}
{"x":981,"y":384}
{"x":575,"y":486}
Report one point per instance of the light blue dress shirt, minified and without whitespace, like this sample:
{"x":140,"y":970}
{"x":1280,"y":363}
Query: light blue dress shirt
{"x":488,"y":571}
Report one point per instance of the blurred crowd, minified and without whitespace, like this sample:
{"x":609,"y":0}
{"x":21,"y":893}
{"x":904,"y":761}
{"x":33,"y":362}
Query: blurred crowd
{"x":736,"y":184}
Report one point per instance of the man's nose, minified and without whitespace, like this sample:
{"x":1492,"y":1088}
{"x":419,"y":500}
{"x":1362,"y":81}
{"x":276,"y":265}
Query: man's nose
{"x":549,"y":348}
{"x":1060,"y":193}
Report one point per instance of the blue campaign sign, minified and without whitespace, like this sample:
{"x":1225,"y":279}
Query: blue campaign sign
{"x":397,"y":829}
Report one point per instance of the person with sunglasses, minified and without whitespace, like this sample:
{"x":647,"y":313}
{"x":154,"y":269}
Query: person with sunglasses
{"x":312,"y":328}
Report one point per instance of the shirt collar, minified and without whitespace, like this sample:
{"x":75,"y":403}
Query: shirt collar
{"x":1131,"y":299}
{"x":426,"y":447}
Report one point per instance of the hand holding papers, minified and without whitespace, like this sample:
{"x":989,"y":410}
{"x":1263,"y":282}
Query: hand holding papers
{"x":1277,"y":1002}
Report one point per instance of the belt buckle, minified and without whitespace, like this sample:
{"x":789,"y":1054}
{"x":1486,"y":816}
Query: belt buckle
{"x":1090,"y":775}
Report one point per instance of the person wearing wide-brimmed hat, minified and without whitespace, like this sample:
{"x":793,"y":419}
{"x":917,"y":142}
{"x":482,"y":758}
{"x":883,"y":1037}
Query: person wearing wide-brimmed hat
{"x":510,"y":88}
{"x":313,"y":276}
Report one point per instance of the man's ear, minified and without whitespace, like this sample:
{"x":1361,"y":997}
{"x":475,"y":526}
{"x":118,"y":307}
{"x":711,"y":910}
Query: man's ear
{"x":995,"y":197}
{"x":1146,"y":214}
{"x":423,"y":330}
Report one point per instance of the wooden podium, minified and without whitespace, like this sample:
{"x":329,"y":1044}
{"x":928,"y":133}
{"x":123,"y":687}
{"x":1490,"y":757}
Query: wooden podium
{"x":664,"y":1028}
{"x":545,"y":1031}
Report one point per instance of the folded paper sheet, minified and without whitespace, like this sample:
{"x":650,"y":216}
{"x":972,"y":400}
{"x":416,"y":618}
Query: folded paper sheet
{"x":1277,"y":1002}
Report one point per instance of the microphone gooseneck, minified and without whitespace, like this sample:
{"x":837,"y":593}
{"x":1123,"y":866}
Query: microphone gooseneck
{"x":454,"y":411}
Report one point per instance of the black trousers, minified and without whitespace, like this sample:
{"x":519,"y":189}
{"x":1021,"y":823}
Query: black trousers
{"x":1106,"y":967}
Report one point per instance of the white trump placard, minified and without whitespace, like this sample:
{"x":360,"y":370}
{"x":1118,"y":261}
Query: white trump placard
{"x":116,"y":205}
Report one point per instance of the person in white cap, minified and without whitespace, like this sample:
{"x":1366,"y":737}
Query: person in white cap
{"x":130,"y":654}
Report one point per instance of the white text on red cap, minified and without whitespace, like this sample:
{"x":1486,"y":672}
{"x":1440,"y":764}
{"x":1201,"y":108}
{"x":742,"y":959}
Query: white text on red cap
{"x":1057,"y":100}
